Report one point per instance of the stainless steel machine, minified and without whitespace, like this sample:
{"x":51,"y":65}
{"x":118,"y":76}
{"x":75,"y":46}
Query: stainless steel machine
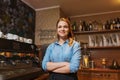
{"x":18,"y":60}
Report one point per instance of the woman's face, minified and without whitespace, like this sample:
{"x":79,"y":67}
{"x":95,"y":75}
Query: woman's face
{"x":62,"y":29}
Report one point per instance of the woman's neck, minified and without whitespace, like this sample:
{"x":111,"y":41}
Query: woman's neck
{"x":62,"y":40}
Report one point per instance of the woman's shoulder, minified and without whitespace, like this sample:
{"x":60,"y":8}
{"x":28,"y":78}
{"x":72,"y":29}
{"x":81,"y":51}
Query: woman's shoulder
{"x":76,"y":45}
{"x":51,"y":45}
{"x":76,"y":42}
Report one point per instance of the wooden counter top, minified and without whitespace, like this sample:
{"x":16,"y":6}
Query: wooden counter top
{"x":100,"y":70}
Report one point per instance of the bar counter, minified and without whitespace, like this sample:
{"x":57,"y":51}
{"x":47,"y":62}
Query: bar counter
{"x":98,"y":74}
{"x":100,"y":70}
{"x":21,"y":74}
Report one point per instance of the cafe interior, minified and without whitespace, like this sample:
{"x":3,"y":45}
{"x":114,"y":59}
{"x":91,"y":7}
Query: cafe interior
{"x":27,"y":27}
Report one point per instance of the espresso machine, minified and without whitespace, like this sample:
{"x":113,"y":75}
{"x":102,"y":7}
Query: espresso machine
{"x":18,"y":60}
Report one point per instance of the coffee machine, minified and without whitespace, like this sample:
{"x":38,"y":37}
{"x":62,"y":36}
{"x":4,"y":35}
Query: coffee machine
{"x":18,"y":60}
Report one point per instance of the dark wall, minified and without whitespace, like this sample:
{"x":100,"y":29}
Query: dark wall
{"x":17,"y":18}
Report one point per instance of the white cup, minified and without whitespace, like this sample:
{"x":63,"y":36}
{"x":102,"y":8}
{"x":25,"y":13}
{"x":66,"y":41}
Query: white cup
{"x":1,"y":34}
{"x":15,"y":37}
{"x":9,"y":36}
{"x":21,"y":39}
{"x":29,"y":40}
{"x":25,"y":40}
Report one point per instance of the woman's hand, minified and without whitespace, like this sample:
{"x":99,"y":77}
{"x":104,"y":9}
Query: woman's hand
{"x":52,"y":66}
{"x":64,"y":69}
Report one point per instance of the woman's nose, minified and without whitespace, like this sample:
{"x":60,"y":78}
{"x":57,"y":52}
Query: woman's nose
{"x":62,"y":28}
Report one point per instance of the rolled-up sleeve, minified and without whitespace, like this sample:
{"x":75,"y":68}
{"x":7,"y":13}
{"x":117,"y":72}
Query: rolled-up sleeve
{"x":75,"y":61}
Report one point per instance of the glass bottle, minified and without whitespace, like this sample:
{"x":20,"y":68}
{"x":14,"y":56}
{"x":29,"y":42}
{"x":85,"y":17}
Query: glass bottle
{"x":80,"y":26}
{"x":107,"y":25}
{"x":84,"y":28}
{"x":90,"y":25}
{"x":74,"y":26}
{"x":118,"y":23}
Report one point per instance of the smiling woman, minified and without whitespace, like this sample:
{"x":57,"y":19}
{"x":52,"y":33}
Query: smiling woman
{"x":62,"y":57}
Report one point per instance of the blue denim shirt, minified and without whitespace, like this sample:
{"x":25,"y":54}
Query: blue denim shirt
{"x":63,"y":53}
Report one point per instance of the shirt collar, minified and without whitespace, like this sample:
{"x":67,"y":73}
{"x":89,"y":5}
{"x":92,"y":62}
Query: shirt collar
{"x":56,"y":42}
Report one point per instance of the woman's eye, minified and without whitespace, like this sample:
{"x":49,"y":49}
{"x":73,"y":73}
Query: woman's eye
{"x":65,"y":26}
{"x":59,"y":26}
{"x":62,"y":26}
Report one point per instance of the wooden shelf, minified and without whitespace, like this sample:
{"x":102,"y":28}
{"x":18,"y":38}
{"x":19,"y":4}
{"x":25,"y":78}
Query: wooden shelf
{"x":99,"y":32}
{"x":93,"y":32}
{"x":105,"y":47}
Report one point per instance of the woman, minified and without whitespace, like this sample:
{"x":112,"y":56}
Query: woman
{"x":62,"y":58}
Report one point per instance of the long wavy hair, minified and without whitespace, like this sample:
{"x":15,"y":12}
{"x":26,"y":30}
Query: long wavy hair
{"x":70,"y":34}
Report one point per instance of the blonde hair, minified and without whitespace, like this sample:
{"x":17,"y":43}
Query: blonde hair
{"x":70,"y":34}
